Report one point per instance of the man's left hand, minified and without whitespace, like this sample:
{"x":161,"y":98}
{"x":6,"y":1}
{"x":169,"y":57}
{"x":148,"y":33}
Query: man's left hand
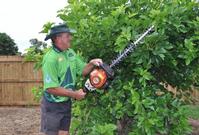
{"x":96,"y":62}
{"x":89,"y":67}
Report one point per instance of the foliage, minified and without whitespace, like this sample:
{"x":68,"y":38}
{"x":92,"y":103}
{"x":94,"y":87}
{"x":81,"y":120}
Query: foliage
{"x":167,"y":56}
{"x":37,"y":92}
{"x":7,"y":45}
{"x":105,"y":129}
{"x":35,"y":52}
{"x":192,"y":111}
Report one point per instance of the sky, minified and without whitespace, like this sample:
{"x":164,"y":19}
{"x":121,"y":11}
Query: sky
{"x":22,"y":20}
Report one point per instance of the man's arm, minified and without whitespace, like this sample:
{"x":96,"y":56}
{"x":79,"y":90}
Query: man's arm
{"x":59,"y":91}
{"x":87,"y":69}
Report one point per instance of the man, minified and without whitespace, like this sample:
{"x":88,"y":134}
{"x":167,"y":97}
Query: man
{"x":60,"y":68}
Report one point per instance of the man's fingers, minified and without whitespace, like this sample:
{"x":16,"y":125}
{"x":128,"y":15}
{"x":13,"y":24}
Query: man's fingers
{"x":97,"y":62}
{"x":100,"y":61}
{"x":82,"y":93}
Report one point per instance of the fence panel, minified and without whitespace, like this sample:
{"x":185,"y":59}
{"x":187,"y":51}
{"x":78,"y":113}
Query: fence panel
{"x":17,"y":77}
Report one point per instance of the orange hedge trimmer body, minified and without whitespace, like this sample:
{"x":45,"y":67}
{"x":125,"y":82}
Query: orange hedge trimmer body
{"x":100,"y":77}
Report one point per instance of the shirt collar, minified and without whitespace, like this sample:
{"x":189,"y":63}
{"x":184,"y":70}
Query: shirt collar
{"x":55,"y":48}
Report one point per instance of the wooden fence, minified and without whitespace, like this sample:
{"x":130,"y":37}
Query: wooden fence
{"x":194,"y":93}
{"x":17,"y":77}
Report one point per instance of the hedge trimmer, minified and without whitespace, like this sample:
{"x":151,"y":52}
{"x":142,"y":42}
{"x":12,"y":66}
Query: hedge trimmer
{"x":100,"y":77}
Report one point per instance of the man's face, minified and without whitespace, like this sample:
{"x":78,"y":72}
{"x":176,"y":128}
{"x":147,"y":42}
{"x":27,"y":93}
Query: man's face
{"x":65,"y":39}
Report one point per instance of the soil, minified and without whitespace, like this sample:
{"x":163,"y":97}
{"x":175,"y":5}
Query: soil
{"x":19,"y":121}
{"x":26,"y":121}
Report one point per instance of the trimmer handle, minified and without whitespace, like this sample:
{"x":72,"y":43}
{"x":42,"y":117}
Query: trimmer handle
{"x":99,"y":78}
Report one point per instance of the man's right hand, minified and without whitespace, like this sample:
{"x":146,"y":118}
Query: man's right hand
{"x":80,"y":94}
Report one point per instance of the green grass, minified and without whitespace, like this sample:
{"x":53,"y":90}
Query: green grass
{"x":192,"y":111}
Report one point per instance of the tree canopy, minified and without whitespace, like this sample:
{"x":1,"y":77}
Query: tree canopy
{"x":7,"y":45}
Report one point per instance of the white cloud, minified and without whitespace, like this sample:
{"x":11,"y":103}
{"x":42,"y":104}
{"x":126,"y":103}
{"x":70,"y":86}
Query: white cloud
{"x":23,"y":19}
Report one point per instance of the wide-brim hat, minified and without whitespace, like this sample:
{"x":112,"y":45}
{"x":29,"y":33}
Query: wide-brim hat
{"x":57,"y":29}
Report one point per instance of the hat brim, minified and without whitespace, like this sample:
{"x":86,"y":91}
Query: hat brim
{"x":58,"y":32}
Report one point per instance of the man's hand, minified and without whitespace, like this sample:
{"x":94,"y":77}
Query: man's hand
{"x":80,"y":94}
{"x":90,"y":65}
{"x":96,"y":62}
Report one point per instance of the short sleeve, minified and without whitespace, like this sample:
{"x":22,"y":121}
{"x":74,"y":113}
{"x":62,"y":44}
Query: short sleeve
{"x":50,"y":74}
{"x":80,"y":65}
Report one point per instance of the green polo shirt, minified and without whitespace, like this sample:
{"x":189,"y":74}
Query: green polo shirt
{"x":60,"y":69}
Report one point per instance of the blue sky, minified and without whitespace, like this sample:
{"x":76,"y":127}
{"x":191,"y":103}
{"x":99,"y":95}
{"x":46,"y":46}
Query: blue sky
{"x":23,"y":19}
